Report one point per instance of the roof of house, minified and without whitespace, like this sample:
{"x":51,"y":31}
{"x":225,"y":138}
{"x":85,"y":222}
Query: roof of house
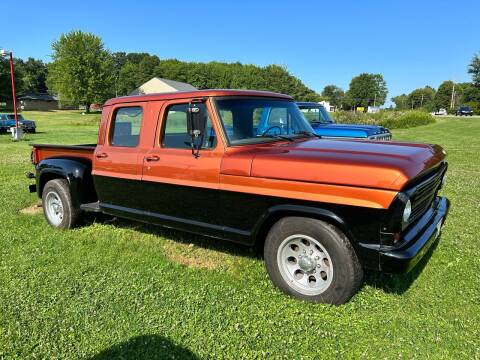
{"x":193,"y":94}
{"x":38,"y":96}
{"x":159,"y":85}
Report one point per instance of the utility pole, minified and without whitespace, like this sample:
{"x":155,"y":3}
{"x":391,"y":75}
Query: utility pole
{"x":452,"y":101}
{"x":374,"y":99}
{"x":421,"y":102}
{"x":17,"y":132}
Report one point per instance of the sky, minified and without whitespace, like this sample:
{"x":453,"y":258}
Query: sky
{"x":411,"y":43}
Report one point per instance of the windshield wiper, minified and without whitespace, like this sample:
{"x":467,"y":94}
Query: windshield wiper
{"x":278,"y":137}
{"x":308,"y":133}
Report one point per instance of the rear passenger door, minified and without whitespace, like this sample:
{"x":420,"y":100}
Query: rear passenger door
{"x":182,"y":190}
{"x":117,"y":166}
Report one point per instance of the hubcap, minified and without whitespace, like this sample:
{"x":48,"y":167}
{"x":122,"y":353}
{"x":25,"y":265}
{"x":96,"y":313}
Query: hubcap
{"x":54,"y":208}
{"x":305,"y":264}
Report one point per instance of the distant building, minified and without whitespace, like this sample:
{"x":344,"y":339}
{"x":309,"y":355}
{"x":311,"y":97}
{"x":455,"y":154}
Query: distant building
{"x":327,"y":106}
{"x":159,"y":85}
{"x":37,"y":101}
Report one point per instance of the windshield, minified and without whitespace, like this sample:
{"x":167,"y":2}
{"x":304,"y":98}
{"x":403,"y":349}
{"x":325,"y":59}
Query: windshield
{"x":316,"y":114}
{"x":253,"y":120}
{"x":12,"y":117}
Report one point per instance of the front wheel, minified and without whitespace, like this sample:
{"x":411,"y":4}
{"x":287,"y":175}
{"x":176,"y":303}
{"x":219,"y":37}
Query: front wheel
{"x":312,"y":260}
{"x":58,"y":207}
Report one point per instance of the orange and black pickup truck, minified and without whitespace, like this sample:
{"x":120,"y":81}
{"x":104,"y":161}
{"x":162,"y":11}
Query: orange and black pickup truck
{"x":322,"y":210}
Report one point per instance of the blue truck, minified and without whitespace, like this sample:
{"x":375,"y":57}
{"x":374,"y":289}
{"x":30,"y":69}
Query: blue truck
{"x":7,"y":121}
{"x":325,"y":126}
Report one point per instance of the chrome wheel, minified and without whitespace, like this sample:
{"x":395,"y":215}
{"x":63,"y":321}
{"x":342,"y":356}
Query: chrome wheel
{"x":54,"y":208}
{"x":305,"y":264}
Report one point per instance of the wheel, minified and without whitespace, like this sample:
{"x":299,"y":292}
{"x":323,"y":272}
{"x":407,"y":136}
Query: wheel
{"x":312,"y":260}
{"x":57,"y":205}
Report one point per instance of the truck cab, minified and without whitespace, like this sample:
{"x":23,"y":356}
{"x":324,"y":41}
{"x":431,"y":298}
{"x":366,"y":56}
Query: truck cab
{"x":246,"y":166}
{"x":325,"y":126}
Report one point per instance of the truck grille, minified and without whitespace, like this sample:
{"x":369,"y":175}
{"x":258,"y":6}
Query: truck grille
{"x":425,"y":192}
{"x":381,"y":137}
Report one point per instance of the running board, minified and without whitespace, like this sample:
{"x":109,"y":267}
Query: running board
{"x":91,"y":207}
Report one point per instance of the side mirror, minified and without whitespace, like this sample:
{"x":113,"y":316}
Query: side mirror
{"x":196,"y":125}
{"x":197,"y":121}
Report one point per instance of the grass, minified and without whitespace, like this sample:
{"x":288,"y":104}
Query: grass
{"x":133,"y":291}
{"x":386,"y":118}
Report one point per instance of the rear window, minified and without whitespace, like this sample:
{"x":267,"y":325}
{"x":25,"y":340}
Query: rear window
{"x":125,"y":130}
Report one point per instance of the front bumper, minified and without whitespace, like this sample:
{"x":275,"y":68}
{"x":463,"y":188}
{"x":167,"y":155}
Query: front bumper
{"x":416,"y":241}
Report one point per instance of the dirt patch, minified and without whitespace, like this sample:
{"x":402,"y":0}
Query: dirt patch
{"x":196,"y":257}
{"x":32,"y":210}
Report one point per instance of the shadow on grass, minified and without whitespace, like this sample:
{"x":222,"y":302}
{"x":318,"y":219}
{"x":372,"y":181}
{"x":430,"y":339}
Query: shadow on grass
{"x":395,"y":284}
{"x":398,"y":284}
{"x":182,"y":237}
{"x":145,"y":347}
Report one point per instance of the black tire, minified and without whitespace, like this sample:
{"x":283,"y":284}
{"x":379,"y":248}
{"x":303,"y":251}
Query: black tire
{"x":347,"y":273}
{"x":70,"y":213}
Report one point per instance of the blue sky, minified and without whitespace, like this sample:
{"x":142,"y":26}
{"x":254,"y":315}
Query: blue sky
{"x":412,"y":43}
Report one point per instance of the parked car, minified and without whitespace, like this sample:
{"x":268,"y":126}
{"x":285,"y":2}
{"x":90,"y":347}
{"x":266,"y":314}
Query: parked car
{"x":7,"y":121}
{"x":440,"y":112}
{"x":464,"y":110}
{"x":325,"y":126}
{"x":322,"y":210}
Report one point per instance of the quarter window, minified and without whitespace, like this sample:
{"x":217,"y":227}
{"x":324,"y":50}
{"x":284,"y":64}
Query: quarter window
{"x":126,"y":126}
{"x":176,"y":135}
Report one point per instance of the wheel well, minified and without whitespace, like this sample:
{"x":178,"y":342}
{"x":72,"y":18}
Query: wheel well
{"x":265,"y":227}
{"x":46,"y":178}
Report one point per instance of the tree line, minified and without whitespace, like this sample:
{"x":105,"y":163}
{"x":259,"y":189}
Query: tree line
{"x":370,"y":89}
{"x":83,"y":72}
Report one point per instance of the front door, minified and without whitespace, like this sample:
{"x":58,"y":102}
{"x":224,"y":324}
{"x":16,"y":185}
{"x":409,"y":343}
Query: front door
{"x":182,"y":190}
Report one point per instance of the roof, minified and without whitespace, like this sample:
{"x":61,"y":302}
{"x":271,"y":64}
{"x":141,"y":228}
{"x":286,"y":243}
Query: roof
{"x":37,"y":96}
{"x":193,"y":94}
{"x":309,"y":104}
{"x":160,"y":85}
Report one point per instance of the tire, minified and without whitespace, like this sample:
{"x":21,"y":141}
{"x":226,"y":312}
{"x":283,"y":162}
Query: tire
{"x":57,"y":205}
{"x":312,"y":260}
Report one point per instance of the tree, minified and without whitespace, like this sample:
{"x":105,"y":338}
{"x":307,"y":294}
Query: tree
{"x":422,"y":98}
{"x":401,"y":102}
{"x":366,"y":90}
{"x":82,"y":70}
{"x":5,"y":80}
{"x":443,"y":97}
{"x":334,"y":94}
{"x":33,"y":75}
{"x":474,"y":69}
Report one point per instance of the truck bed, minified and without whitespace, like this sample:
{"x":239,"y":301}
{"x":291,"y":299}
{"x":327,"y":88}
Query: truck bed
{"x":44,"y":151}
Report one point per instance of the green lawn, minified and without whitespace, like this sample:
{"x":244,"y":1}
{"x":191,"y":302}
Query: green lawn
{"x":133,"y":291}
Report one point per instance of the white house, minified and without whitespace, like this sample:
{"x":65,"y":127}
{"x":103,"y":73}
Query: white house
{"x":159,"y":85}
{"x":327,"y":106}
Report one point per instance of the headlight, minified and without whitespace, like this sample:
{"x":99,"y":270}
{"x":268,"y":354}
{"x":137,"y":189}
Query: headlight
{"x":407,"y":212}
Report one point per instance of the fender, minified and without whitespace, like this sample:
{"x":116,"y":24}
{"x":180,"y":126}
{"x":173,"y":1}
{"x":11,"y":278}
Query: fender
{"x":78,"y":173}
{"x":276,"y":212}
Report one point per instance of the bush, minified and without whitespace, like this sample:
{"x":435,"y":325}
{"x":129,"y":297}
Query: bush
{"x":388,"y":119}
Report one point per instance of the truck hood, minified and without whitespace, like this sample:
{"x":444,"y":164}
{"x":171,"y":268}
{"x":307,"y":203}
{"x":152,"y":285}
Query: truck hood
{"x":382,"y":165}
{"x":348,"y":130}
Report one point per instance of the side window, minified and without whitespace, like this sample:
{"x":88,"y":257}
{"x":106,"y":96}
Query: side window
{"x":176,"y":135}
{"x":125,"y":130}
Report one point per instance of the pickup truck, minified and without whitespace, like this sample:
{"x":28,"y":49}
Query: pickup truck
{"x":325,"y":126}
{"x":322,"y":210}
{"x":7,"y":121}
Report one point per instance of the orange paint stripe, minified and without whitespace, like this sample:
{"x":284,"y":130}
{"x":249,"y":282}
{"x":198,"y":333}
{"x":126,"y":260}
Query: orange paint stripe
{"x":345,"y":195}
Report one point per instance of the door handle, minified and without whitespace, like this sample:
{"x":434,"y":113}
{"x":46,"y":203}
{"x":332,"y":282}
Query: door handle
{"x":152,"y":158}
{"x":101,"y":155}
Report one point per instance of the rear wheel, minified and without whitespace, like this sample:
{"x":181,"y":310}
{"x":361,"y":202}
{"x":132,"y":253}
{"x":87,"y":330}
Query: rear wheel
{"x":312,"y":260}
{"x":57,"y":205}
